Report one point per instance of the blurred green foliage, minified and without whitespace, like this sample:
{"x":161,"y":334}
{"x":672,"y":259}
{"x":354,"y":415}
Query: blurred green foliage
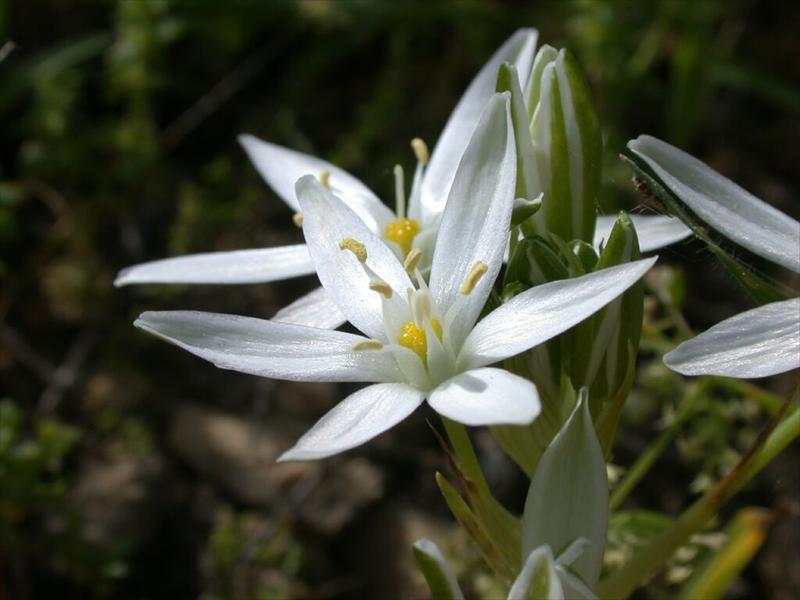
{"x":119,"y":122}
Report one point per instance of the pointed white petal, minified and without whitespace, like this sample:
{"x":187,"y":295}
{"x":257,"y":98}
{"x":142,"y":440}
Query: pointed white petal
{"x":539,"y":573}
{"x":542,"y":312}
{"x":519,"y":51}
{"x":568,"y":496}
{"x":442,"y":584}
{"x":654,"y":231}
{"x":281,"y":168}
{"x":326,"y":222}
{"x":727,"y":207}
{"x":357,"y":419}
{"x":270,"y":349}
{"x":237,"y":266}
{"x":475,"y":224}
{"x":487,"y":397}
{"x":757,"y":343}
{"x":315,"y":309}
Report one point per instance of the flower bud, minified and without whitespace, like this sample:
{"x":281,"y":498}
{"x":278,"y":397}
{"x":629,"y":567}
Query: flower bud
{"x":567,"y":146}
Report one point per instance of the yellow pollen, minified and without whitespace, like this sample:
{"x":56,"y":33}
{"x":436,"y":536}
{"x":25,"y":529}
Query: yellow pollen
{"x":420,"y":150}
{"x":368,"y":345}
{"x":414,"y":338}
{"x":473,"y":277}
{"x":298,"y":219}
{"x":356,"y":247}
{"x":376,"y":285}
{"x":412,"y":260}
{"x":402,"y":232}
{"x":325,"y":179}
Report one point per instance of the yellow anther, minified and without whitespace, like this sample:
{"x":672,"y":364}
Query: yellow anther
{"x":368,"y":345}
{"x":412,"y":260}
{"x":473,"y":277}
{"x":356,"y":247}
{"x":414,"y":338}
{"x":325,"y":179}
{"x":298,"y":219}
{"x":402,"y":232}
{"x":383,"y":288}
{"x":420,"y":150}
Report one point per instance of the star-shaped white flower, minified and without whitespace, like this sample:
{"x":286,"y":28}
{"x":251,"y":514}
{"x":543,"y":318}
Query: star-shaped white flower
{"x":420,"y":343}
{"x":402,"y":229}
{"x":759,"y":342}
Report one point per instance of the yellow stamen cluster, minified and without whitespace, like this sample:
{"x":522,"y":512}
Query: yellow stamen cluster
{"x":414,"y":338}
{"x":298,"y":219}
{"x":402,"y":232}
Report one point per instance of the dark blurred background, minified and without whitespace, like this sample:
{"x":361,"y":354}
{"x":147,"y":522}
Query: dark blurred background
{"x":130,"y":469}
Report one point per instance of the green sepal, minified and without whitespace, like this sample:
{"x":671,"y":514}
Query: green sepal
{"x":524,"y":209}
{"x":606,"y":343}
{"x":527,"y":173}
{"x":567,"y":147}
{"x":535,"y":261}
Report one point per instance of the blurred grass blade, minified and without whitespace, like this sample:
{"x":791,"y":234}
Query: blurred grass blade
{"x":745,"y":534}
{"x":49,"y":63}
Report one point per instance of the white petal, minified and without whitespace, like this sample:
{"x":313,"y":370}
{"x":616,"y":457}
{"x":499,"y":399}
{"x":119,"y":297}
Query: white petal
{"x":549,"y":588}
{"x":475,"y":224}
{"x":727,"y":207}
{"x":315,"y":309}
{"x":270,"y":349}
{"x":487,"y":397}
{"x":355,"y":420}
{"x":757,"y":343}
{"x":653,"y":231}
{"x":281,"y":168}
{"x":439,"y":175}
{"x":326,"y":222}
{"x":237,"y":266}
{"x":544,"y":311}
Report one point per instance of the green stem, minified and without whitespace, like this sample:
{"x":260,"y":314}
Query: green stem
{"x":501,"y":525}
{"x":780,"y":432}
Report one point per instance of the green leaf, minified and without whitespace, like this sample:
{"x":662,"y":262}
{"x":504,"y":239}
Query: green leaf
{"x":441,"y":581}
{"x":568,"y":496}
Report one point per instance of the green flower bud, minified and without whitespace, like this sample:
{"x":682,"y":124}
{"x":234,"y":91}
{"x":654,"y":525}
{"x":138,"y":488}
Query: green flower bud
{"x":567,"y":146}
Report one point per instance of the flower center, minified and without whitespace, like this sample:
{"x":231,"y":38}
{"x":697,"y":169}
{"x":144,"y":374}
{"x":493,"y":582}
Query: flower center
{"x":414,"y":338}
{"x":402,"y":232}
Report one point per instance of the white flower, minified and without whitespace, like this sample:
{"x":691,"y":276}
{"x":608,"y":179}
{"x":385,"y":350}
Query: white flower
{"x":402,"y":229}
{"x":759,"y":342}
{"x":422,"y":343}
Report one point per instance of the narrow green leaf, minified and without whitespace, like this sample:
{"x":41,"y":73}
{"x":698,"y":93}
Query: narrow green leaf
{"x":441,"y":581}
